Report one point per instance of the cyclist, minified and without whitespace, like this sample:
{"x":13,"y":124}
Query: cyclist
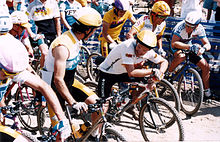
{"x":67,"y":8}
{"x":126,"y":60}
{"x":14,"y":63}
{"x":63,"y":57}
{"x":183,"y":34}
{"x":21,"y":30}
{"x":154,"y":22}
{"x":113,"y":22}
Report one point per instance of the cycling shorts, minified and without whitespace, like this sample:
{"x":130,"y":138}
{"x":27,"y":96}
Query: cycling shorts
{"x":79,"y":91}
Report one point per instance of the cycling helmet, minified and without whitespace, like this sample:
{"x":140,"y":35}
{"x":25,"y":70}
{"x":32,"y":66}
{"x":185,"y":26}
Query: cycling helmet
{"x":193,"y":18}
{"x":20,"y":18}
{"x":161,"y":8}
{"x":121,"y":4}
{"x":88,"y":17}
{"x":147,"y":38}
{"x":5,"y":22}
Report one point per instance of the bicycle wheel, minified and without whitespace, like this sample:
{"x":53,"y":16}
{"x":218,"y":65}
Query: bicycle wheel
{"x":92,"y":68}
{"x":77,"y":77}
{"x":81,"y":67}
{"x":168,"y":92}
{"x":29,"y":108}
{"x":111,"y":135}
{"x":43,"y":120}
{"x":190,"y":90}
{"x":155,"y":118}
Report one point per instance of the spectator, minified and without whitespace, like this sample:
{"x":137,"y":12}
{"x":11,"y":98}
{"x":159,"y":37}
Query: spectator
{"x":46,"y":16}
{"x":217,"y":14}
{"x":190,"y":5}
{"x":210,"y":5}
{"x":67,"y":9}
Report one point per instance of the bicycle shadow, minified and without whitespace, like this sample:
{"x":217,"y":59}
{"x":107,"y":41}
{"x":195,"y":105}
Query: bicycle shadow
{"x":211,"y":108}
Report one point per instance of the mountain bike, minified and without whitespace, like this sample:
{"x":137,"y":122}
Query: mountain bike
{"x":14,"y":132}
{"x":189,"y":86}
{"x":86,"y":128}
{"x":157,"y":118}
{"x":29,"y":107}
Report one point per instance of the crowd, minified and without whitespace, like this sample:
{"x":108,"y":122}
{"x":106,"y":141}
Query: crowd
{"x":60,"y":27}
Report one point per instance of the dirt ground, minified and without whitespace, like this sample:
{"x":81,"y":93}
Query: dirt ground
{"x":203,"y":126}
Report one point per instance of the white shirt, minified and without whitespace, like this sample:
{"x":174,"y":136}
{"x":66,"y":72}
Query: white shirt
{"x":124,"y":53}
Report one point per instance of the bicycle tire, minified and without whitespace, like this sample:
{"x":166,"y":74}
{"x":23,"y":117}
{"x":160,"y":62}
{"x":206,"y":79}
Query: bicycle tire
{"x":164,"y":132}
{"x":190,"y":102}
{"x":80,"y":79}
{"x":92,"y":67}
{"x":43,"y":121}
{"x":81,"y":67}
{"x":111,"y":134}
{"x":28,"y":112}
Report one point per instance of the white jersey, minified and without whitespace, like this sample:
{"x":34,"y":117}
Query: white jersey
{"x":38,"y":11}
{"x":180,"y":31}
{"x":123,"y":54}
{"x":144,"y":23}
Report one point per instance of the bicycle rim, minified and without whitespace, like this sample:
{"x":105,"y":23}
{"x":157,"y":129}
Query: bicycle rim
{"x":190,"y":90}
{"x":154,"y":120}
{"x":28,"y":112}
{"x":43,"y":120}
{"x":92,"y":68}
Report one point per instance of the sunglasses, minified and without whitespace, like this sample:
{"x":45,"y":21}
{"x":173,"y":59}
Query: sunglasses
{"x":8,"y":74}
{"x":189,"y":25}
{"x":161,"y":17}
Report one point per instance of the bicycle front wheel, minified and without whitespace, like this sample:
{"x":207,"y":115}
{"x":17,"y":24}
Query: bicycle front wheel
{"x":43,"y":120}
{"x":29,"y":108}
{"x":190,"y":90}
{"x":155,"y":118}
{"x":112,"y":135}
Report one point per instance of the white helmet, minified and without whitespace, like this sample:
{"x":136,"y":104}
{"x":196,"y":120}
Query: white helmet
{"x":20,"y":18}
{"x":5,"y":21}
{"x":193,"y":18}
{"x":13,"y":55}
{"x":122,"y":4}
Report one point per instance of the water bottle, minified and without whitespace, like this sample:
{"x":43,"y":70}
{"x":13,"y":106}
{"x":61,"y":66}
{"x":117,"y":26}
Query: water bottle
{"x":76,"y":128}
{"x":84,"y":128}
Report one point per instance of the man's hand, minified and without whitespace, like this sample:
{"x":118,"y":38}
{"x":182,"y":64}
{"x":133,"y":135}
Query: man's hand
{"x":201,"y":51}
{"x":195,"y":48}
{"x":80,"y":107}
{"x":158,"y":74}
{"x":162,"y":52}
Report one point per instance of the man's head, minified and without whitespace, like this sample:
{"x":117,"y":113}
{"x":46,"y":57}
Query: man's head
{"x":87,"y":20}
{"x":5,"y":22}
{"x":20,"y":22}
{"x":160,"y":11}
{"x":146,"y":40}
{"x":192,"y":20}
{"x":121,"y":6}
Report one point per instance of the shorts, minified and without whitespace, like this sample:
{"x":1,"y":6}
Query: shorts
{"x":210,"y":4}
{"x":194,"y":58}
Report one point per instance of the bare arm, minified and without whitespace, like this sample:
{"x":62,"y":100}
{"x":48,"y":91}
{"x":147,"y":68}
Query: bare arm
{"x":133,"y":20}
{"x":60,"y":54}
{"x":58,"y":26}
{"x":105,"y":34}
{"x":176,"y":43}
{"x":206,"y":43}
{"x":63,"y":20}
{"x":131,"y":33}
{"x":159,"y":41}
{"x":132,"y":72}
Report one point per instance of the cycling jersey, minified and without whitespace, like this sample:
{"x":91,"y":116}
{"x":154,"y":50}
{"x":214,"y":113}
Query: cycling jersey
{"x":43,"y":15}
{"x":69,"y":40}
{"x":145,"y":23}
{"x":124,"y":53}
{"x":116,"y":23}
{"x":180,"y":31}
{"x":69,"y":9}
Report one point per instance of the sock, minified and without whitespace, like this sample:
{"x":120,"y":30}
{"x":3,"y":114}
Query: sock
{"x":207,"y":92}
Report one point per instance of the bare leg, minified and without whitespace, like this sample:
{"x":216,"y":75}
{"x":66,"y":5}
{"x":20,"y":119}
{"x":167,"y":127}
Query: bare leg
{"x":178,"y":58}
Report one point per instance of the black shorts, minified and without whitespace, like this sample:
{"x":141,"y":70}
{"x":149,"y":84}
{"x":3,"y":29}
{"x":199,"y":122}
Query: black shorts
{"x":194,"y":58}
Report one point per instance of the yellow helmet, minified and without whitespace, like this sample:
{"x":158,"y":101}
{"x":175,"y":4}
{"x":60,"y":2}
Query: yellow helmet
{"x":147,"y":38}
{"x":161,"y":8}
{"x":88,"y":17}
